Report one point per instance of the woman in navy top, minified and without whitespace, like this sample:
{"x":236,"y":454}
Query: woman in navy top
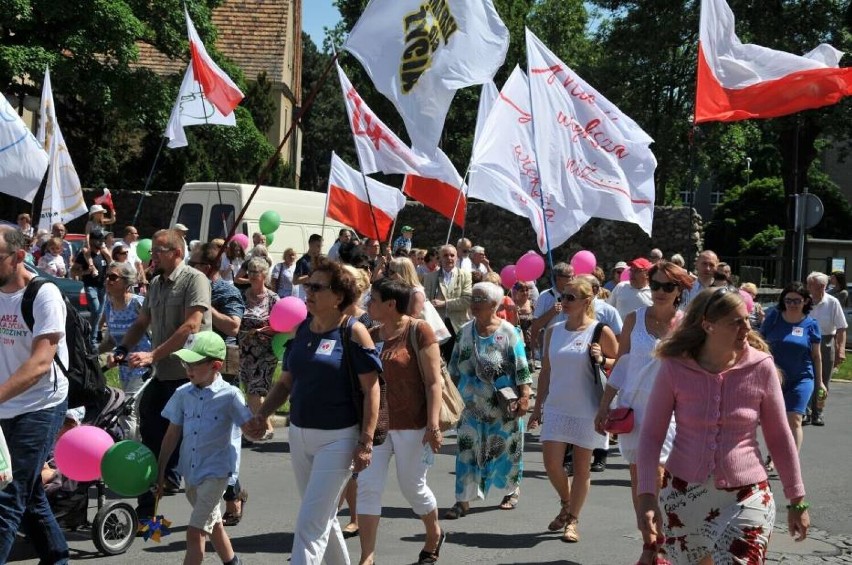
{"x":794,"y":339}
{"x":327,"y":443}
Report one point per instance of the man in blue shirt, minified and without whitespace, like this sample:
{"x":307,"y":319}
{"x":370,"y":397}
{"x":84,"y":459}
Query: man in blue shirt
{"x":202,"y":416}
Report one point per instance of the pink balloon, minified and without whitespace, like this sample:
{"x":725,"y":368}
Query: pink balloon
{"x":749,"y":301}
{"x":242,"y":239}
{"x":584,"y":262}
{"x":508,"y":276}
{"x":79,"y":452}
{"x":625,"y":275}
{"x":287,"y":313}
{"x":529,"y":267}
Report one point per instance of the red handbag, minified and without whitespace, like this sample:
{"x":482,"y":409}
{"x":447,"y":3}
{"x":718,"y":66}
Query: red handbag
{"x":619,"y":421}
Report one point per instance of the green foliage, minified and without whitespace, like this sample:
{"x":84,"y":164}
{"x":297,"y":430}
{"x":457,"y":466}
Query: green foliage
{"x":765,"y":242}
{"x":260,"y":103}
{"x":744,"y":212}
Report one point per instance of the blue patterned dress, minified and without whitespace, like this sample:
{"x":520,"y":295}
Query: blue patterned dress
{"x":490,"y":446}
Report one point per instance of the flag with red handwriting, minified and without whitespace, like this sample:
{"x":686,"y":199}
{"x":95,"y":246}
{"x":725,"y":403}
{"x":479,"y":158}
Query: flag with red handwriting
{"x":218,"y":87}
{"x":419,"y":52}
{"x":504,"y":172}
{"x":23,"y":160}
{"x":349,"y":203}
{"x":739,"y":81}
{"x":591,"y":156}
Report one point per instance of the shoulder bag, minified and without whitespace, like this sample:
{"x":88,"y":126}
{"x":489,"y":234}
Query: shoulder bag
{"x":598,"y":374}
{"x":383,"y":421}
{"x":451,"y":400}
{"x":430,"y":316}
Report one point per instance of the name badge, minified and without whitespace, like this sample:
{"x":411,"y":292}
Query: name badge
{"x":379,"y":346}
{"x":326,"y":346}
{"x":798,"y":331}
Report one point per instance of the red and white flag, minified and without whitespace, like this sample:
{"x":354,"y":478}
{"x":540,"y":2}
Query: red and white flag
{"x":439,"y":186}
{"x":105,"y":199}
{"x":218,"y":87}
{"x":739,"y":81}
{"x":193,"y":108}
{"x":348,"y":202}
{"x":419,"y":53}
{"x":591,"y":156}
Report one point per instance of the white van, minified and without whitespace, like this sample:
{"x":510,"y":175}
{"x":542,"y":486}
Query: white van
{"x":209,"y":212}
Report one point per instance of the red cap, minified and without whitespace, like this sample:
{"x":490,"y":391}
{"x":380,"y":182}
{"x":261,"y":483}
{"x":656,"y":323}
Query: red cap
{"x":640,"y":263}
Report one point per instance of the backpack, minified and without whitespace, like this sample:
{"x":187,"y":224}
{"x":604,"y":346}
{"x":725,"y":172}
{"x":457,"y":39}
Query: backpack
{"x":86,"y":381}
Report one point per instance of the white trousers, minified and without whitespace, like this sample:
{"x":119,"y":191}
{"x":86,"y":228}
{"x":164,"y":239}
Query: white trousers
{"x":407,"y":447}
{"x":322,"y":462}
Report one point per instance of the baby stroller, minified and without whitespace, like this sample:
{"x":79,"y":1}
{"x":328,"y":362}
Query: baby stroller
{"x":115,"y":524}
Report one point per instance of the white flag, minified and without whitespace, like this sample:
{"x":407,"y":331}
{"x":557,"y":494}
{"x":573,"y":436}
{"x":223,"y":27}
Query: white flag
{"x":419,"y":52}
{"x":63,"y":195}
{"x":591,"y":155}
{"x":192,"y":109}
{"x":22,"y":160}
{"x":504,"y":171}
{"x":487,"y":96}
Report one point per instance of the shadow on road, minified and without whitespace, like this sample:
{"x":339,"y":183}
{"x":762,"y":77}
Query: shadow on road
{"x":484,"y":540}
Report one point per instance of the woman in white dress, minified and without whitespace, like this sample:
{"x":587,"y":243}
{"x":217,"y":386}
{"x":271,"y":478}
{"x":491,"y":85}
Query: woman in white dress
{"x":567,"y":401}
{"x":636,"y":370}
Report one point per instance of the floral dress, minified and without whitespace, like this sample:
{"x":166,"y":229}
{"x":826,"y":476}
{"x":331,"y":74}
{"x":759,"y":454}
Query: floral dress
{"x":490,"y":445}
{"x":257,"y":360}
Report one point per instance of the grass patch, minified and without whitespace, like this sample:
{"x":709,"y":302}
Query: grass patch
{"x":844,"y":372}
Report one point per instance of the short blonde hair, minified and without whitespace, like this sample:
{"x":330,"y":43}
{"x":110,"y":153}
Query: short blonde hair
{"x":362,"y":280}
{"x":750,"y":288}
{"x":403,"y":267}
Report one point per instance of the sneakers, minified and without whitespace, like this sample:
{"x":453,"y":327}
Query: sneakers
{"x":817,"y":419}
{"x":598,"y":466}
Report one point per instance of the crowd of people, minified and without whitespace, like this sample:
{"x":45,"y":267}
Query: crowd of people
{"x":684,"y":352}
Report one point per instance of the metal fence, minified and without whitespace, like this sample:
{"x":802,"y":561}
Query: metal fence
{"x":762,"y":270}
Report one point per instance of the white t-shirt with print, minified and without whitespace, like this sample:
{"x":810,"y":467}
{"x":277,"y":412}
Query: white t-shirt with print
{"x":16,"y":341}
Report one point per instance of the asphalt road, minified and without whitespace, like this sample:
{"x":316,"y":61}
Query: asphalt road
{"x":487,"y":534}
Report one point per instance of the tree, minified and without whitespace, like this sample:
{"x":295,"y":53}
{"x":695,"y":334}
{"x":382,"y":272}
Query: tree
{"x":260,"y":103}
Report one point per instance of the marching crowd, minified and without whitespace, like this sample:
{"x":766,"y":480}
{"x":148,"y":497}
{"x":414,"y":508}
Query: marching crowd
{"x":690,"y":381}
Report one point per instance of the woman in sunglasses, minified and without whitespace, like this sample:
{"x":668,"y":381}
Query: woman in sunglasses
{"x":567,"y":401}
{"x":634,"y":376}
{"x":719,"y":380}
{"x":794,"y":338}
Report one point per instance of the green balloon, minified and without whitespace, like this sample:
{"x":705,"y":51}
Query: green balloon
{"x":143,"y":249}
{"x":129,"y":468}
{"x":269,"y":222}
{"x":278,"y":343}
{"x":270,"y":237}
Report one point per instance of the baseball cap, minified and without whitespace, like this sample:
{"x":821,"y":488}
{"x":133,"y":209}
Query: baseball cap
{"x":641,"y":263}
{"x":620,"y":265}
{"x":407,"y":228}
{"x":95,"y":208}
{"x":181,"y":227}
{"x":200,"y":346}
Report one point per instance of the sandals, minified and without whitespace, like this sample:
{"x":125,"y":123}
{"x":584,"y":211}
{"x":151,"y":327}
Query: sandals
{"x":350,"y":532}
{"x":510,"y":501}
{"x":570,"y":533}
{"x":232,"y":518}
{"x":455,"y":512}
{"x":427,"y":557}
{"x":561,"y":519}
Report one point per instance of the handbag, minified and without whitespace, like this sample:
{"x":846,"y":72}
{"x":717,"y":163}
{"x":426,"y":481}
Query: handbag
{"x":451,"y":400}
{"x":598,"y":374}
{"x":383,"y":421}
{"x":619,"y":421}
{"x":431,"y":317}
{"x":505,"y":397}
{"x":5,"y":462}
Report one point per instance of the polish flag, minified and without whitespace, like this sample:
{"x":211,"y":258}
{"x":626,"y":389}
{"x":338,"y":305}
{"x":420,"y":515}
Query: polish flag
{"x":439,"y":186}
{"x":218,"y":87}
{"x":739,"y":81}
{"x":105,"y":200}
{"x":349,"y":204}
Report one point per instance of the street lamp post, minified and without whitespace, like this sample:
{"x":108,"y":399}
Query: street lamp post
{"x":748,"y":170}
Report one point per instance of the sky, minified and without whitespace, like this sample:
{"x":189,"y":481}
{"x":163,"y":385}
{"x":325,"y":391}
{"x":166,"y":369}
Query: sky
{"x":317,"y":14}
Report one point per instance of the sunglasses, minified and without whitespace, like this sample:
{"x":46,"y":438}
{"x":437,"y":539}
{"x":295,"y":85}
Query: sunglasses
{"x":119,"y":252}
{"x":161,"y":249}
{"x":569,"y":298}
{"x":717,"y":295}
{"x":667,"y":287}
{"x":112,"y":277}
{"x":316,"y":287}
{"x":188,"y":366}
{"x":793,"y":301}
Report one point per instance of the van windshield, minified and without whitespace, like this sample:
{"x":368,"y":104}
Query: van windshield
{"x":221,"y":220}
{"x":190,"y":216}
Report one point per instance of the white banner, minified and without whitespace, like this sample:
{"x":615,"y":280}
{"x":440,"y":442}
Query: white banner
{"x":63,"y":195}
{"x":419,"y":52}
{"x":22,"y":160}
{"x":504,"y":171}
{"x":591,"y":156}
{"x":487,"y":96}
{"x":192,"y":109}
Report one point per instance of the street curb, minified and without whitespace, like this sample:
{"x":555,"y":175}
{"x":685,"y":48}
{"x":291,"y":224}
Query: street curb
{"x":814,"y":549}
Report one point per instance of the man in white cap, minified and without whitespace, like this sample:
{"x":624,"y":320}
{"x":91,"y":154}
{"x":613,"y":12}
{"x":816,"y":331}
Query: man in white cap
{"x":183,"y":231}
{"x":616,"y":275}
{"x":98,"y":219}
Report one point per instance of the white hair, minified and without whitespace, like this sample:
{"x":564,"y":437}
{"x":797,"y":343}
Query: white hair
{"x":818,"y":277}
{"x":678,"y":260}
{"x":490,"y":290}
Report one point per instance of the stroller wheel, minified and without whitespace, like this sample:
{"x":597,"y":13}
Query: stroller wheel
{"x":114,"y":528}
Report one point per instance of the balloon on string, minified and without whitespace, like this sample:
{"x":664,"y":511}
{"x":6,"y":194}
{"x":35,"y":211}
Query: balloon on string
{"x":129,"y":468}
{"x":79,"y":452}
{"x":278,"y":343}
{"x":749,"y":301}
{"x":143,"y":249}
{"x":287,"y":313}
{"x":584,"y":262}
{"x":269,"y":222}
{"x":242,"y":239}
{"x":508,"y":276}
{"x":529,"y":267}
{"x":625,"y":275}
{"x":270,"y":237}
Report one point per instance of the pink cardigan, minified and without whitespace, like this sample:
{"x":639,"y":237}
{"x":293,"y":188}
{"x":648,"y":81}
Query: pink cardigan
{"x":717,"y":416}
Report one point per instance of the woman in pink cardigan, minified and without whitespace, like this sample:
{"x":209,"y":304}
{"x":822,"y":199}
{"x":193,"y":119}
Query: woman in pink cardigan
{"x":720,"y":382}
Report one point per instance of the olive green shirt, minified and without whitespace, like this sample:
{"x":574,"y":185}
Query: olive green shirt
{"x":166,"y":303}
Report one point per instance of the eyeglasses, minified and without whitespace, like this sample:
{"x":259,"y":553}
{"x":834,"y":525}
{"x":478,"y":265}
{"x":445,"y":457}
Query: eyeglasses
{"x":254,"y":272}
{"x":717,"y":294}
{"x":667,"y":287}
{"x":479,"y":299}
{"x":112,"y":277}
{"x":161,"y":249}
{"x":316,"y":287}
{"x":569,"y":298}
{"x":793,"y":301}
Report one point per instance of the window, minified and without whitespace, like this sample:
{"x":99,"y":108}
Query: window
{"x":190,"y":216}
{"x":716,"y":198}
{"x":687,"y":197}
{"x":221,"y":219}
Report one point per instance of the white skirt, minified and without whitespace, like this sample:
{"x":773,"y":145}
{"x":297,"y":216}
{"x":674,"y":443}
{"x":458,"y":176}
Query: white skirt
{"x":568,"y":429}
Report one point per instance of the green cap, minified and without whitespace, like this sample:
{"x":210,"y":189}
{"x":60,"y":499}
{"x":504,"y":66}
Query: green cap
{"x":200,"y":346}
{"x":407,"y":228}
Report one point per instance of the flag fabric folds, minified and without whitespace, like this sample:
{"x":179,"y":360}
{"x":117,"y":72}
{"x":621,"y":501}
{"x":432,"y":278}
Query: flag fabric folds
{"x":105,"y":199}
{"x":348,"y":202}
{"x":504,"y":171}
{"x":591,"y":156}
{"x":739,"y":81}
{"x":439,"y":186}
{"x":218,"y":87}
{"x":23,"y":161}
{"x":63,"y":194}
{"x":419,"y":52}
{"x":192,"y":108}
{"x":487,"y":97}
